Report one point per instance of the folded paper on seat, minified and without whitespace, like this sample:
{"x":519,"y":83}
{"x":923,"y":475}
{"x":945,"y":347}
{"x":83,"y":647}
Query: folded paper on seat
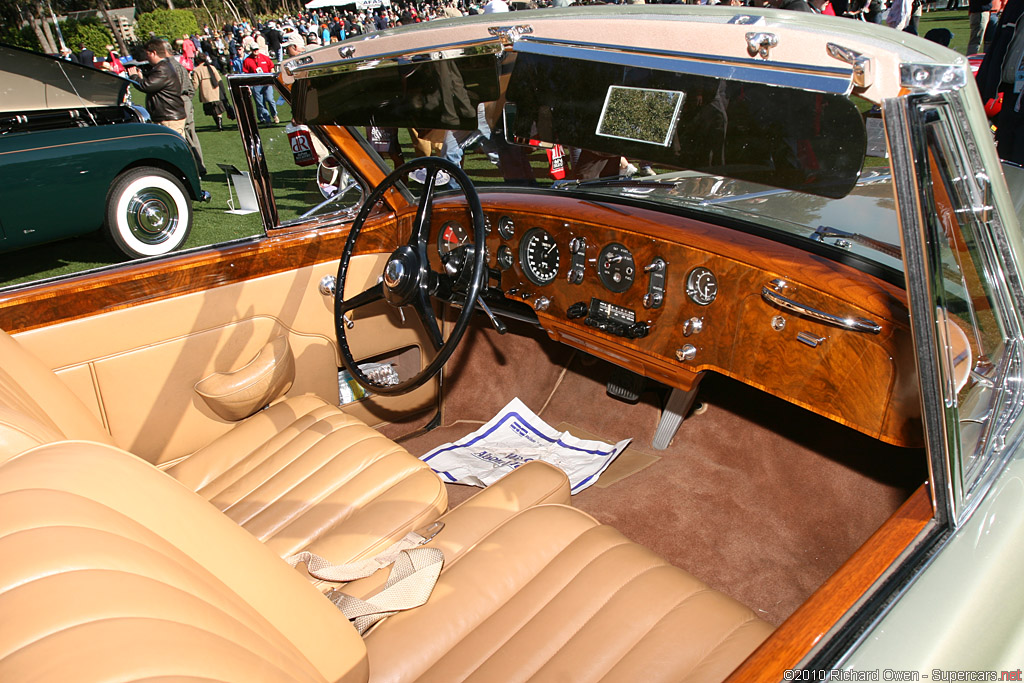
{"x":514,"y":437}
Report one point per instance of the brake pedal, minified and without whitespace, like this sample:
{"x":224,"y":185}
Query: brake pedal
{"x":625,"y":385}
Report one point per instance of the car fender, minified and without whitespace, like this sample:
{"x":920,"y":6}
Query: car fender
{"x":56,"y":181}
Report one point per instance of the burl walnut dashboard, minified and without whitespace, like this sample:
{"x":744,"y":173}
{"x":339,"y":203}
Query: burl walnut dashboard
{"x":670,"y":297}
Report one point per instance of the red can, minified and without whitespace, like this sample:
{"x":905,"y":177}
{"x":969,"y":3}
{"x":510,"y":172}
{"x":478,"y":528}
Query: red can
{"x":301,"y":141}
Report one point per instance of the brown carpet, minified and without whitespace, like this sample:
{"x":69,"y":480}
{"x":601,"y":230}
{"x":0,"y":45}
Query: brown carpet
{"x":760,"y":499}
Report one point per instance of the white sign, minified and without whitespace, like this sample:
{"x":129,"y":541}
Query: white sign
{"x":514,"y":437}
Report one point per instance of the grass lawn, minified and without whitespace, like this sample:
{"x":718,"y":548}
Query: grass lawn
{"x":296,"y":192}
{"x":955,"y":20}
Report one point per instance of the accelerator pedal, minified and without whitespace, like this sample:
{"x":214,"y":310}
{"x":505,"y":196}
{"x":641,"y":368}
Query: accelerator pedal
{"x":626,"y":385}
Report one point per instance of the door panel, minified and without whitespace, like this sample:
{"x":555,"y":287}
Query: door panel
{"x":136,"y":368}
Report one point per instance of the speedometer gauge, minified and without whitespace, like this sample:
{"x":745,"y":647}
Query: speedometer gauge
{"x":538,"y":256}
{"x":616,"y":268}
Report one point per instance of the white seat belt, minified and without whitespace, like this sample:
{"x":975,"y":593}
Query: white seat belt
{"x":411,"y":581}
{"x":409,"y":585}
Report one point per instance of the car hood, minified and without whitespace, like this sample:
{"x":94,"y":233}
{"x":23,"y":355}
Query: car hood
{"x":30,"y":81}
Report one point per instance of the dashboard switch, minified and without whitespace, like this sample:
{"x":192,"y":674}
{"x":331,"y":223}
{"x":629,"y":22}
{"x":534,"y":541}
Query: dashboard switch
{"x":655,"y":296}
{"x":692,"y":326}
{"x":687,"y":352}
{"x":637,"y":330}
{"x":541,"y":303}
{"x":577,"y":310}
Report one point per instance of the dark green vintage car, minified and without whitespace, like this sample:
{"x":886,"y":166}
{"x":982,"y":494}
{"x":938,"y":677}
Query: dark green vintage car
{"x":76,"y":157}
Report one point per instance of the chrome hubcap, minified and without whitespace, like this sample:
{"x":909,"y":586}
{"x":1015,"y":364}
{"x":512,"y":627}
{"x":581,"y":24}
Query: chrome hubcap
{"x":152,"y":216}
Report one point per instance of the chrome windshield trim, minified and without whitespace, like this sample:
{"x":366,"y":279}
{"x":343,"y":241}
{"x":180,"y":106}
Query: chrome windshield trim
{"x":837,"y":80}
{"x":480,"y":46}
{"x":933,"y":78}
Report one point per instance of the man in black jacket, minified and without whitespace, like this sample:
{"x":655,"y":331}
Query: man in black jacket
{"x":162,"y":88}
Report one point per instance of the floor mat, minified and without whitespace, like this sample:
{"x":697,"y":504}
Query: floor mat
{"x":629,"y":462}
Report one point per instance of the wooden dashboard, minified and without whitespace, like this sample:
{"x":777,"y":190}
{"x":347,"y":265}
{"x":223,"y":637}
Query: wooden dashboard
{"x":557,"y":250}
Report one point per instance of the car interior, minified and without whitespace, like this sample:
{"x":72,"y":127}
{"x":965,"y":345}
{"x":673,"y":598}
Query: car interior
{"x":170,"y":434}
{"x":148,"y":439}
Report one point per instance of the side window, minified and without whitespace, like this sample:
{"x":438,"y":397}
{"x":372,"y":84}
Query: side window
{"x":293,"y":172}
{"x":980,"y":358}
{"x":308,"y":180}
{"x":104,"y":189}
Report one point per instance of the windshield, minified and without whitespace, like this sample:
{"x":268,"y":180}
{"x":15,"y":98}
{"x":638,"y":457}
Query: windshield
{"x":771,"y":156}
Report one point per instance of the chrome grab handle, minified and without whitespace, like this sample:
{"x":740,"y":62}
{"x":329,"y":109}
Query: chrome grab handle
{"x":772,"y":293}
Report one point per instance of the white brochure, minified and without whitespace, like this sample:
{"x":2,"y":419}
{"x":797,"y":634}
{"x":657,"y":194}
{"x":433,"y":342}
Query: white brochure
{"x":514,"y":437}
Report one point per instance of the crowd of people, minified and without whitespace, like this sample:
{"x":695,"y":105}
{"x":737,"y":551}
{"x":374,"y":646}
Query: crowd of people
{"x":197,"y":63}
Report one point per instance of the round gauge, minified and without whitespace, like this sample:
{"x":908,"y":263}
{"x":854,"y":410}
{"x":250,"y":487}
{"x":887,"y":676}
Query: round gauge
{"x":701,"y":286}
{"x":504,"y":257}
{"x":506,"y":228}
{"x":616,"y":268}
{"x":538,"y":255}
{"x":452,"y":236}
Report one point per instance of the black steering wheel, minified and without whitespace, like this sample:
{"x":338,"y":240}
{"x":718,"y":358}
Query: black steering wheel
{"x":408,"y":281}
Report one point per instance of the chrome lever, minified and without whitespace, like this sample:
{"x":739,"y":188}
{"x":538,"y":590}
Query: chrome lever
{"x":328,"y":286}
{"x":772,"y":293}
{"x":498,"y":324}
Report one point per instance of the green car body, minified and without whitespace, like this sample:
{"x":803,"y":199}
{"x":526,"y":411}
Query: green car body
{"x":57,"y":181}
{"x":76,"y":157}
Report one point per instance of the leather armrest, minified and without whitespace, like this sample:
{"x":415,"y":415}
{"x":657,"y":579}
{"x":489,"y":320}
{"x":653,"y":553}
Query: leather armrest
{"x":236,"y":395}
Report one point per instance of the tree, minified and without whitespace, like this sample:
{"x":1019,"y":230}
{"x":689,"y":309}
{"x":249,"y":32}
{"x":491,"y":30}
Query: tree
{"x":166,"y":23}
{"x":122,"y":48}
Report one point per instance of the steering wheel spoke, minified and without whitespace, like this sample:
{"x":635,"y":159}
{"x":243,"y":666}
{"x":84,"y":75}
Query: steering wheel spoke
{"x":371,"y":295}
{"x":408,"y":280}
{"x":424,"y":212}
{"x":429,"y":320}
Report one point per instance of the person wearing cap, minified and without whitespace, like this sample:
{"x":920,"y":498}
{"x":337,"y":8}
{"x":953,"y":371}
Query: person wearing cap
{"x":259,"y":63}
{"x":294,"y":45}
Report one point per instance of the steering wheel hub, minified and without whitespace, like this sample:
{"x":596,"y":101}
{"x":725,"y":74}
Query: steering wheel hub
{"x":394,"y":274}
{"x":401,"y":276}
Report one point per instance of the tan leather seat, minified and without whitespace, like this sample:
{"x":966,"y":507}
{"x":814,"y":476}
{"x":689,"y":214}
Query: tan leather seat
{"x":114,"y":571}
{"x":299,"y":475}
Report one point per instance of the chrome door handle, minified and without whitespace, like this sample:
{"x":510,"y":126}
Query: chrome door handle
{"x":772,"y":293}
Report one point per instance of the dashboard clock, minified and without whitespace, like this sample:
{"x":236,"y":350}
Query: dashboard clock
{"x":701,"y":286}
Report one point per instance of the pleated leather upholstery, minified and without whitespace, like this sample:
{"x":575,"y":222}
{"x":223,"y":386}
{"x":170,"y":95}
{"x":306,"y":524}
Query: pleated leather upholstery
{"x":302,"y":475}
{"x":114,"y":571}
{"x":552,"y":595}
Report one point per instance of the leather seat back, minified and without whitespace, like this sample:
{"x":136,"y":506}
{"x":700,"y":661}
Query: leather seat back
{"x":36,"y":407}
{"x":116,"y":571}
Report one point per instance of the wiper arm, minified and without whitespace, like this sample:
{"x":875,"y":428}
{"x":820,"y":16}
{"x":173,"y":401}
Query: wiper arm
{"x":892,"y":250}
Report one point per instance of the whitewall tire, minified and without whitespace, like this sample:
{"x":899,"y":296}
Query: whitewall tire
{"x":148,"y":212}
